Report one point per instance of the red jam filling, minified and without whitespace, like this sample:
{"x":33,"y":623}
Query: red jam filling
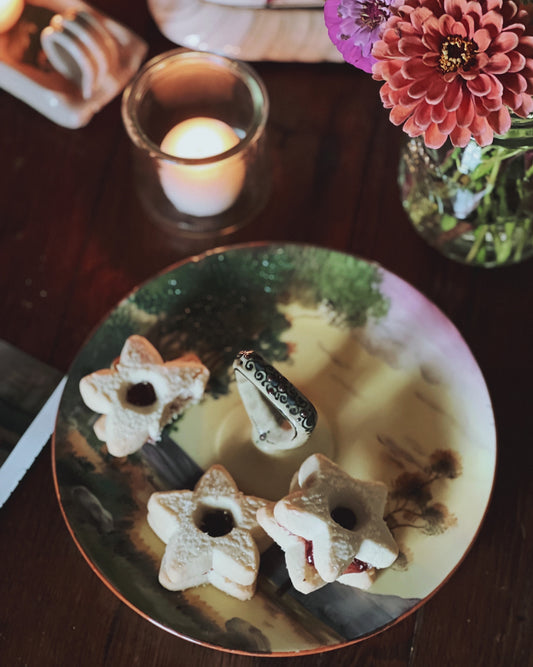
{"x":216,"y":522}
{"x":309,"y":552}
{"x":355,"y":567}
{"x":141,"y":394}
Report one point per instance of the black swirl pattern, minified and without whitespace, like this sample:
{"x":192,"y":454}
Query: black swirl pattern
{"x":279,"y":389}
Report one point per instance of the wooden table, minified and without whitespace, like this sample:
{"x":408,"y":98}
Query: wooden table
{"x":74,"y":240}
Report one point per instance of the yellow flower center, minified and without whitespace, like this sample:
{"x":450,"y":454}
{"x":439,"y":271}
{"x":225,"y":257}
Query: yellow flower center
{"x":456,"y":52}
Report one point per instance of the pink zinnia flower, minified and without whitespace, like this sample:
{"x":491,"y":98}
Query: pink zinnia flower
{"x":354,"y":25}
{"x":455,"y":68}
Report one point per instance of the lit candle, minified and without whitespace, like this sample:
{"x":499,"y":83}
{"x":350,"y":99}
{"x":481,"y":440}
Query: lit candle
{"x":10,"y":12}
{"x":202,"y":190}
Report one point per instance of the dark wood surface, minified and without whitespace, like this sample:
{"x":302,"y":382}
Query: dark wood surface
{"x":74,"y":240}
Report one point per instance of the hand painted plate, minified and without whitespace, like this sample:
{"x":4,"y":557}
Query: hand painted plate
{"x":400,"y":399}
{"x":246,"y":33}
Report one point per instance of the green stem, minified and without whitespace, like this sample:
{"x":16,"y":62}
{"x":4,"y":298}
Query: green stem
{"x":524,"y":230}
{"x":481,"y":231}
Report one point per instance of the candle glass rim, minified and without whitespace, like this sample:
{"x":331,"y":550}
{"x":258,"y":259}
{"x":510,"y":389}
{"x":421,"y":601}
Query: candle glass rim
{"x":242,"y":70}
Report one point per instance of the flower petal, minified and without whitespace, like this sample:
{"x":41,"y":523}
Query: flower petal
{"x":465,"y":112}
{"x":433,"y":137}
{"x":482,"y":60}
{"x":500,"y":120}
{"x":448,"y":123}
{"x":517,"y":61}
{"x":412,"y":128}
{"x":500,"y":63}
{"x":439,"y":113}
{"x":436,"y":90}
{"x":415,"y":68}
{"x":505,"y":41}
{"x":422,"y":115}
{"x":419,"y":88}
{"x":397,"y":81}
{"x":400,"y":114}
{"x":453,"y":96}
{"x":481,"y":85}
{"x":514,"y":82}
{"x":482,"y":131}
{"x":460,"y":136}
{"x":493,"y":21}
{"x":483,"y":39}
{"x":411,"y":46}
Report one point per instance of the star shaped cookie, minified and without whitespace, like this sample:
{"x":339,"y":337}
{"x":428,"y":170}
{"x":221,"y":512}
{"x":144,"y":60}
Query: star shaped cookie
{"x":341,"y":517}
{"x":212,"y":535}
{"x":299,"y":558}
{"x":140,"y":394}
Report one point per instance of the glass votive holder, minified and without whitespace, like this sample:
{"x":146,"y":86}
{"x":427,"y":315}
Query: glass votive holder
{"x":197,"y":125}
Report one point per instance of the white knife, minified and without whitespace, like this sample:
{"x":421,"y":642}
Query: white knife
{"x":30,"y":444}
{"x":25,"y":426}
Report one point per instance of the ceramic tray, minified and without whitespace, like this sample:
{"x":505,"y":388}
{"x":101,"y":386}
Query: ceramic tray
{"x":399,"y":397}
{"x":246,"y":33}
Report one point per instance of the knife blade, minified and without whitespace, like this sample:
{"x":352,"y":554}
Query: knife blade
{"x":27,"y":416}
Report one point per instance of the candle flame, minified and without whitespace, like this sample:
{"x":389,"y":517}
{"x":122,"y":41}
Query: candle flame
{"x":199,"y":138}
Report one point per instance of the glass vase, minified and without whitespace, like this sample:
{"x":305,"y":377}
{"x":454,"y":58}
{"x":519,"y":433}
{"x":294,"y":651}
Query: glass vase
{"x":473,"y":204}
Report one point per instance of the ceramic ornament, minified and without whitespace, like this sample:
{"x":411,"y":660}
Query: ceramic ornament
{"x":67,"y":60}
{"x":282,"y":417}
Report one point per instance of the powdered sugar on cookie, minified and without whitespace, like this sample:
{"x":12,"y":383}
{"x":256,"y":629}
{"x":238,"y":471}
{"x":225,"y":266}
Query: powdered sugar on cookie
{"x":212,"y":535}
{"x":141,"y":394}
{"x":331,"y":527}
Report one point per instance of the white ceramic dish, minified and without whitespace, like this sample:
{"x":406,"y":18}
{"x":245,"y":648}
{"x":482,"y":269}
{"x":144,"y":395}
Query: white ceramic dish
{"x":246,"y":33}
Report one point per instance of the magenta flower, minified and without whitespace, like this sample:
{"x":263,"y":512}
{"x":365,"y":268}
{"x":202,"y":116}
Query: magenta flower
{"x":354,"y":25}
{"x":455,"y":68}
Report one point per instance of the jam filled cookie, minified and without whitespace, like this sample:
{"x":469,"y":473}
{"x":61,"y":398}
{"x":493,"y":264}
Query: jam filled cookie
{"x":302,"y":572}
{"x":300,"y":562}
{"x":140,"y":394}
{"x":331,"y":527}
{"x":212,"y":535}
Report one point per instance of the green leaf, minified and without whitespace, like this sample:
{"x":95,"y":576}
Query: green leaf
{"x":448,"y":222}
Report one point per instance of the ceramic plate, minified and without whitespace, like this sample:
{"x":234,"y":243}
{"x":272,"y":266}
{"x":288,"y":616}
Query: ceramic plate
{"x":245,"y":33}
{"x":399,"y":397}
